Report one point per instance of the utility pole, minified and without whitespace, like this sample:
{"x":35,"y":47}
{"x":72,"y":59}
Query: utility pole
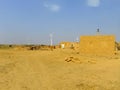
{"x":51,"y":39}
{"x":77,"y":39}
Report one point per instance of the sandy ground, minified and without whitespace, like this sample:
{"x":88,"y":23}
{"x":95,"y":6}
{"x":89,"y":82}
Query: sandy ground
{"x":48,"y":70}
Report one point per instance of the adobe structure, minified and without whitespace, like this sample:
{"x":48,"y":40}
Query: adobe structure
{"x":97,"y":44}
{"x":66,"y":45}
{"x":69,"y":45}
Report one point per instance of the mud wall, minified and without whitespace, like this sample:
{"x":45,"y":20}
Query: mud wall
{"x":98,"y":45}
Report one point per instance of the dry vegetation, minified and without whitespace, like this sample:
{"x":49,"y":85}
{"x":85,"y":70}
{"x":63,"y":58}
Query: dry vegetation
{"x":60,"y":69}
{"x":118,"y":45}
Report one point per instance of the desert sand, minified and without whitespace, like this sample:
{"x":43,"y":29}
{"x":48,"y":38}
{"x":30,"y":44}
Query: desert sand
{"x":60,"y":69}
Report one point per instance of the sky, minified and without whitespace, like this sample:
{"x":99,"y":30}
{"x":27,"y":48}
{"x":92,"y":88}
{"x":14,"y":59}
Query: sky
{"x":34,"y":21}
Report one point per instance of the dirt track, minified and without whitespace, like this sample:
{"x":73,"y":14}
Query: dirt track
{"x":48,"y":70}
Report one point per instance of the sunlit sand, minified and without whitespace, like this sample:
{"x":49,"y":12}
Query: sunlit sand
{"x":59,"y":69}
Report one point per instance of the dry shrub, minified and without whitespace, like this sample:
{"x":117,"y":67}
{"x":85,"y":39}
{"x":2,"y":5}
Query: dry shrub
{"x":118,"y":46}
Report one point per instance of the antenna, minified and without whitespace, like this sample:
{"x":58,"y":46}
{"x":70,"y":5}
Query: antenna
{"x":51,"y":39}
{"x":98,"y":31}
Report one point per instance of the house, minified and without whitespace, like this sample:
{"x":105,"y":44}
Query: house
{"x":97,"y":44}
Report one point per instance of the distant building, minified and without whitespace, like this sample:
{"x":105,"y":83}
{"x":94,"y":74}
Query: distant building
{"x":98,"y":44}
{"x":69,"y":45}
{"x":64,"y":45}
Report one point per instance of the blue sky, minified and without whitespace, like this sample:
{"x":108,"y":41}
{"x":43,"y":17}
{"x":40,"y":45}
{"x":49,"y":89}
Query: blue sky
{"x":32,"y":21}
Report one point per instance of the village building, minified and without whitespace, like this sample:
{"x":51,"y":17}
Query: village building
{"x":69,"y":45}
{"x":97,"y":44}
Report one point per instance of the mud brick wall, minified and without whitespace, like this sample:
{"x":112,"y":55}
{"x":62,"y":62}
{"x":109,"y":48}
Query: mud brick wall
{"x":76,"y":45}
{"x":66,"y":44}
{"x":98,"y":44}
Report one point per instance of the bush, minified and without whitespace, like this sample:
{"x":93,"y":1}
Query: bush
{"x":117,"y":45}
